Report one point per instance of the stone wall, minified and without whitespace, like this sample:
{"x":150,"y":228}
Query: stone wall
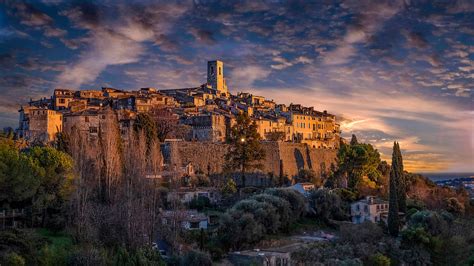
{"x":295,"y":156}
{"x":288,"y":158}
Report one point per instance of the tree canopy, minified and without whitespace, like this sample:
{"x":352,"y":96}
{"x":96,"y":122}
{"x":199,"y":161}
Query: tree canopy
{"x":246,"y":151}
{"x":358,"y":160}
{"x":38,"y":177}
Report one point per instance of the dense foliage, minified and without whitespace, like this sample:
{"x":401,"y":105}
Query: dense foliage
{"x":445,"y":239}
{"x":39,"y":179}
{"x":246,"y":151}
{"x":327,"y":205}
{"x":356,"y":161}
{"x":250,"y":220}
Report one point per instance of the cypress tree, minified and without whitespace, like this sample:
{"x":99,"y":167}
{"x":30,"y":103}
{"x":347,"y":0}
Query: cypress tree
{"x":393,"y":221}
{"x":354,"y":140}
{"x":402,"y":186}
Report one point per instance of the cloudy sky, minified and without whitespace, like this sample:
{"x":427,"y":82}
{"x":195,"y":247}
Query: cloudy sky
{"x":394,"y":70}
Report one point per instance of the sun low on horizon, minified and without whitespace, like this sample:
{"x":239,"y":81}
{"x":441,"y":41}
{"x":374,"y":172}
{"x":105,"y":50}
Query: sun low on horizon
{"x":388,"y":70}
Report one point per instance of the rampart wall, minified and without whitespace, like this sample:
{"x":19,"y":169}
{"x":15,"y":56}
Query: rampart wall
{"x":282,"y":158}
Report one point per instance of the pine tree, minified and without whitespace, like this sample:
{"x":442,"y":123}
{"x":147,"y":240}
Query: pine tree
{"x":402,"y":186}
{"x":393,"y":221}
{"x":245,"y":151}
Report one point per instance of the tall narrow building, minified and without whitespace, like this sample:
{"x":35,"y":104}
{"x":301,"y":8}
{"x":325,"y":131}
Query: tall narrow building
{"x":215,"y":76}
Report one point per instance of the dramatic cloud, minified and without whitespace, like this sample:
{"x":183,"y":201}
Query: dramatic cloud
{"x":115,"y":41}
{"x":369,"y":18}
{"x":244,"y":77}
{"x":390,"y":70}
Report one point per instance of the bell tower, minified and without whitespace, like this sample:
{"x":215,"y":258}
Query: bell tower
{"x":215,"y":76}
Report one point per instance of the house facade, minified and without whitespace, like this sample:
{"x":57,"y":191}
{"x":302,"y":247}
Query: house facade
{"x":369,"y":209}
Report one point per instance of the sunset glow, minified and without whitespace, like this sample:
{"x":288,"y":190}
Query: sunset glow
{"x":389,"y":70}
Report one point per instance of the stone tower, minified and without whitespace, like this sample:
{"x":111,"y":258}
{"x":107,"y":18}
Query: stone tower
{"x":215,"y":76}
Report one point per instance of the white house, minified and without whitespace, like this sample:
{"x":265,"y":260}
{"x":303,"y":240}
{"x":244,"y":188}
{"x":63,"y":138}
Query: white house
{"x":187,"y":219}
{"x":303,"y":188}
{"x":369,"y":209}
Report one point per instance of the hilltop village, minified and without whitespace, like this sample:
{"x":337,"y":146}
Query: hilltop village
{"x":199,"y":176}
{"x":207,"y":112}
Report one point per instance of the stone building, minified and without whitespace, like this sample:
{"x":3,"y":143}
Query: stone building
{"x":369,"y":209}
{"x":317,"y":129}
{"x":85,"y":122}
{"x":39,"y":124}
{"x":215,"y":77}
{"x":269,"y":127}
{"x":90,"y":123}
{"x":209,"y":109}
{"x":62,"y":98}
{"x":208,"y":127}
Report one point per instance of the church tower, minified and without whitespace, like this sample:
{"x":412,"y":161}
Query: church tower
{"x":215,"y":76}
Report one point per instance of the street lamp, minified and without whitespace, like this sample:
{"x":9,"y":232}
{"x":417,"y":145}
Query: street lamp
{"x":242,"y":140}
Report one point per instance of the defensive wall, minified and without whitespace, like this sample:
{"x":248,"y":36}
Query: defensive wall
{"x":282,"y":158}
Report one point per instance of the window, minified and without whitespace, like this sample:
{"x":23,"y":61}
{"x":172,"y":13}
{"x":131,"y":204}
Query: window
{"x":220,"y":73}
{"x":212,"y":69}
{"x":93,"y":130}
{"x":62,"y":101}
{"x":86,"y":119}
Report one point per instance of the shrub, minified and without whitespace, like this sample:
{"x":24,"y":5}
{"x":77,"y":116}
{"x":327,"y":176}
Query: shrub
{"x":361,"y":233}
{"x":431,"y":221}
{"x":13,"y":259}
{"x":281,"y":205}
{"x":378,"y":260}
{"x":87,"y":256}
{"x":263,"y":212}
{"x":296,"y":200}
{"x":196,"y":258}
{"x":327,"y":205}
{"x":238,"y":229}
{"x":454,"y":206}
{"x":200,"y":203}
{"x":308,"y":175}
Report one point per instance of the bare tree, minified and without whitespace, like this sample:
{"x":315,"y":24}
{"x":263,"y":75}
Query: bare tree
{"x":166,"y":122}
{"x":82,"y":152}
{"x":109,"y":155}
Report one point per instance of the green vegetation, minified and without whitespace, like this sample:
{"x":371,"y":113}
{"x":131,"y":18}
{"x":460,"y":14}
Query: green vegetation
{"x":200,"y":203}
{"x":39,"y":179}
{"x":145,"y":123}
{"x":250,"y":220}
{"x":309,"y":175}
{"x":393,"y":218}
{"x":327,"y":205}
{"x":69,"y":224}
{"x":39,"y":183}
{"x":229,"y":188}
{"x":398,"y":174}
{"x":196,"y":258}
{"x":246,"y":151}
{"x":445,"y":239}
{"x":356,"y":161}
{"x":378,"y":260}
